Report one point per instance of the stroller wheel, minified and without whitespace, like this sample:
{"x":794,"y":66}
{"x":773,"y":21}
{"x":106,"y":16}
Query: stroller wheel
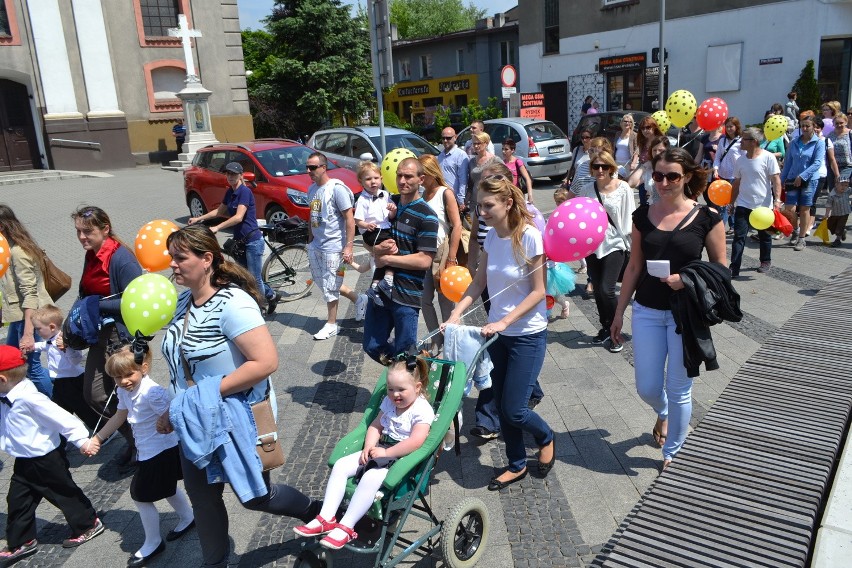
{"x":464,"y":534}
{"x":309,"y":559}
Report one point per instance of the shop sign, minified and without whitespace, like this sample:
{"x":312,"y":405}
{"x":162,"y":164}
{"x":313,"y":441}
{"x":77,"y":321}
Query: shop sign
{"x":532,"y":105}
{"x":631,"y":62}
{"x":412,"y":91}
{"x":457,"y":85}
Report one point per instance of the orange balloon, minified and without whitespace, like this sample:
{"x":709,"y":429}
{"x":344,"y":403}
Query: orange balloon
{"x":454,"y":282}
{"x":5,"y":255}
{"x":719,"y":192}
{"x":151,"y":250}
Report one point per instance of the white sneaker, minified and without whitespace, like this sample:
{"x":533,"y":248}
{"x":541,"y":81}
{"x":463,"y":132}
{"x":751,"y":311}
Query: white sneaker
{"x":361,"y":307}
{"x":327,"y":331}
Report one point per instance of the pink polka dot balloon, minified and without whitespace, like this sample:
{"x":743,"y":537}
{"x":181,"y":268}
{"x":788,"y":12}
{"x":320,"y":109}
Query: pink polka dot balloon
{"x":712,"y":113}
{"x":575,"y":229}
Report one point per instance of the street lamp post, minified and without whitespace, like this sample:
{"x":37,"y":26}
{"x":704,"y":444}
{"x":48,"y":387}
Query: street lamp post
{"x":662,"y":58}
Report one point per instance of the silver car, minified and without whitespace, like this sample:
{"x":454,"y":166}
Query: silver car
{"x":542,"y":145}
{"x":348,"y":146}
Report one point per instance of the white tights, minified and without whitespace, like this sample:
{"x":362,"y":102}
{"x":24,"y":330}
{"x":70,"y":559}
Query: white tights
{"x":364,"y":495}
{"x":151,"y":520}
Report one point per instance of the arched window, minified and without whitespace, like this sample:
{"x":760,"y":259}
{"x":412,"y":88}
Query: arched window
{"x":9,"y":34}
{"x":163,"y":80}
{"x":155,"y":17}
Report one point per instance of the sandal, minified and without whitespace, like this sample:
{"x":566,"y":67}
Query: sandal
{"x":335,"y":544}
{"x":325,"y":527}
{"x":657,"y":433}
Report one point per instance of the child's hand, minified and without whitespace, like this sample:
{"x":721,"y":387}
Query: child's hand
{"x":164,"y":424}
{"x":91,"y":447}
{"x":371,"y":226}
{"x":378,"y":452}
{"x":392,"y":207}
{"x":365,"y":456}
{"x":59,"y":342}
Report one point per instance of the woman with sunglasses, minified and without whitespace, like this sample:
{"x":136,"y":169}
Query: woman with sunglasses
{"x":800,"y":177}
{"x":480,"y":160}
{"x":675,"y":229}
{"x":648,"y":130}
{"x":513,"y":269}
{"x":605,"y":264}
{"x":580,"y":161}
{"x":642,"y":174}
{"x":625,"y":146}
{"x":841,"y":137}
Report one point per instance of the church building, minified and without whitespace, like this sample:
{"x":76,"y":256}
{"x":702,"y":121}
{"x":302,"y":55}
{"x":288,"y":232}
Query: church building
{"x":91,"y":84}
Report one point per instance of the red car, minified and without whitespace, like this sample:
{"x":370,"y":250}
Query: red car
{"x":274,"y":170}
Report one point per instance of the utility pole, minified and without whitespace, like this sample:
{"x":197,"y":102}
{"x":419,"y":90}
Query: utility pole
{"x":662,"y":58}
{"x":380,"y":41}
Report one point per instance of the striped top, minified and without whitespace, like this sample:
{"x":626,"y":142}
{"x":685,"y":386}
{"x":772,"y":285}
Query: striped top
{"x":415,"y":230}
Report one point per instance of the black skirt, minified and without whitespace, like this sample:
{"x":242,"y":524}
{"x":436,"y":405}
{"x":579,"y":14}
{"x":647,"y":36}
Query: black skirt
{"x":157,"y":478}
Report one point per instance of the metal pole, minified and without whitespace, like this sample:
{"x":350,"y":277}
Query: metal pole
{"x":377,"y":81}
{"x":662,"y":89}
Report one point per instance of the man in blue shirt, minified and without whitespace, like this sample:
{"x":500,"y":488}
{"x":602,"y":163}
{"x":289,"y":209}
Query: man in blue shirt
{"x":179,"y":132}
{"x":454,"y":164}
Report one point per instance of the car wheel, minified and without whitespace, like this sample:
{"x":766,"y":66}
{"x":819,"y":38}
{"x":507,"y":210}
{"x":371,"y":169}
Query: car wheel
{"x":196,"y":205}
{"x":275,"y":214}
{"x":557,"y":179}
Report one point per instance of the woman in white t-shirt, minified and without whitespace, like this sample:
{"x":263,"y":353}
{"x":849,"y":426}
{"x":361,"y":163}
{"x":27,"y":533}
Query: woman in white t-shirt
{"x":513,"y":258}
{"x":625,"y":147}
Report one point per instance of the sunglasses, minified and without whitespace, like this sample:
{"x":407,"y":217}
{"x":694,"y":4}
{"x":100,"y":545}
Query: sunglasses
{"x":603,"y":167}
{"x":585,"y":137}
{"x":447,"y":137}
{"x":747,"y":139}
{"x":839,"y":124}
{"x":673,"y":177}
{"x":647,"y":128}
{"x":312,"y":167}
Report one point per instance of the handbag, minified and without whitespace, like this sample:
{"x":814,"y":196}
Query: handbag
{"x":56,"y":281}
{"x":522,"y":182}
{"x":620,"y":234}
{"x":234,"y":248}
{"x":268,"y":446}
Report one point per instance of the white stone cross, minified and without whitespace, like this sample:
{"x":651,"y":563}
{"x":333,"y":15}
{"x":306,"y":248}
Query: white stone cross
{"x":184,"y":33}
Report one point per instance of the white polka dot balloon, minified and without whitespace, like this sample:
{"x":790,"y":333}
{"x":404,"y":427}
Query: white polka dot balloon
{"x":150,"y":246}
{"x":575,"y":229}
{"x":148,"y":303}
{"x":712,"y":113}
{"x":5,"y":255}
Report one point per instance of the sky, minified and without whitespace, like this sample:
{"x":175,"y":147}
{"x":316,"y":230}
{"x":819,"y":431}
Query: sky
{"x":252,"y":11}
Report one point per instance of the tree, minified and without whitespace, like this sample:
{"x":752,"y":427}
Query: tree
{"x":432,"y":18}
{"x":808,"y":90}
{"x":311,"y":67}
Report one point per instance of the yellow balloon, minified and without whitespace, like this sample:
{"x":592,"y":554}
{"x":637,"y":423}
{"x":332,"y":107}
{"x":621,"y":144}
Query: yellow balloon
{"x":681,"y":107}
{"x":761,"y":218}
{"x":389,"y":165}
{"x":662,"y":119}
{"x":775,"y":127}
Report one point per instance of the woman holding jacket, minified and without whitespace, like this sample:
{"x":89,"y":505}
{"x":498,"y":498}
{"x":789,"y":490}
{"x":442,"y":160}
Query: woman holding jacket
{"x":675,"y":229}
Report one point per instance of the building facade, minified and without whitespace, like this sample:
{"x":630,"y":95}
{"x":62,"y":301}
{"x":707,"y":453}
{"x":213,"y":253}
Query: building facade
{"x":747,"y":52}
{"x":452,"y":70}
{"x":90,"y":84}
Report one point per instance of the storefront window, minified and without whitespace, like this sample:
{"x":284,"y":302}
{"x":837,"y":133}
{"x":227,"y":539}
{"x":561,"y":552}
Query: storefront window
{"x":835,"y":63}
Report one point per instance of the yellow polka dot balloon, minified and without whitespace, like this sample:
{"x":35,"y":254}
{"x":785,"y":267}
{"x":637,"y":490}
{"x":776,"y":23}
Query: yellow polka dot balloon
{"x":662,"y":119}
{"x":151,"y":250}
{"x":389,"y":165}
{"x":681,"y":107}
{"x":5,"y":255}
{"x":148,"y":303}
{"x":775,"y":127}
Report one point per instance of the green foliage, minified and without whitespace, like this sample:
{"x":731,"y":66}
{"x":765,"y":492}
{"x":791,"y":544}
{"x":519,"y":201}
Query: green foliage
{"x":475,"y":111}
{"x":310,"y":68}
{"x":442,"y":118}
{"x":807,"y":89}
{"x":431,"y":18}
{"x":391,"y":119}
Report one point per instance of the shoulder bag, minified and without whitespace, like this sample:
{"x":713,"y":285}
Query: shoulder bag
{"x":268,"y":446}
{"x":620,"y":234}
{"x":522,"y":182}
{"x":56,"y":281}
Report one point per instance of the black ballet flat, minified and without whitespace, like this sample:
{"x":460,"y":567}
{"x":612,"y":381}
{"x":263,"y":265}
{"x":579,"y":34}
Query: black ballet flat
{"x":544,"y":468}
{"x":174,"y":535}
{"x":497,"y":485}
{"x":135,"y":561}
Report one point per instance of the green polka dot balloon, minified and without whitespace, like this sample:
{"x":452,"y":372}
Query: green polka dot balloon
{"x":148,"y":303}
{"x":389,"y":165}
{"x":681,"y":107}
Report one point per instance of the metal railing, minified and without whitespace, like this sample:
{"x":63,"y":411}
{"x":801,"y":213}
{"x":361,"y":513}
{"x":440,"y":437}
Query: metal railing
{"x":75,"y":143}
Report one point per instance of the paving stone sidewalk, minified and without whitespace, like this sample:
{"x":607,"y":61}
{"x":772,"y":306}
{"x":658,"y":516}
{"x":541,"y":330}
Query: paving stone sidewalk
{"x":605,"y":454}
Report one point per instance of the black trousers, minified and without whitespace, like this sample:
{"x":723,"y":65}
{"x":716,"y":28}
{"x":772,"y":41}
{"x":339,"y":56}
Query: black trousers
{"x":68,"y":393}
{"x":45,"y":477}
{"x":603,"y":274}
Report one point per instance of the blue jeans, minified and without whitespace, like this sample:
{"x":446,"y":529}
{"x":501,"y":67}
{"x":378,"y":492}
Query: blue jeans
{"x":486,"y":413}
{"x":35,"y":372}
{"x":252,"y":260}
{"x":381,"y":320}
{"x":662,"y":385}
{"x":738,"y":244}
{"x":517,"y":363}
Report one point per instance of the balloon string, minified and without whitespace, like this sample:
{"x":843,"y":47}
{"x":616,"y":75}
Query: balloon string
{"x":490,"y":297}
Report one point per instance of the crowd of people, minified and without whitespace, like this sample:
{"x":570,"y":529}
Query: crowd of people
{"x":220,"y":355}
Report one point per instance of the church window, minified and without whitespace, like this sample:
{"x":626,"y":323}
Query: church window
{"x":159,"y":15}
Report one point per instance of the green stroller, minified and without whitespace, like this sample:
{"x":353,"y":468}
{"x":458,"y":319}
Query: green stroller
{"x":461,"y":538}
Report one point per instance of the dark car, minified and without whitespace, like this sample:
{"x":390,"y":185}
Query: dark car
{"x":348,"y":146}
{"x":607,"y":124}
{"x":275,"y":170}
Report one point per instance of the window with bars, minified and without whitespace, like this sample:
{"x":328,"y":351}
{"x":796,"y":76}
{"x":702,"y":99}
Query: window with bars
{"x":551,"y":26}
{"x":158,"y":16}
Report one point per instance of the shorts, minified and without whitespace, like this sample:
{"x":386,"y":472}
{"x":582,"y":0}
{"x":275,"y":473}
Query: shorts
{"x":157,"y":478}
{"x":376,"y":236}
{"x":324,"y":270}
{"x":802,"y":196}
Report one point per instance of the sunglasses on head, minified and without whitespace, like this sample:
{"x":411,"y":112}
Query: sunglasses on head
{"x":604,"y":167}
{"x":312,"y":167}
{"x":673,"y":177}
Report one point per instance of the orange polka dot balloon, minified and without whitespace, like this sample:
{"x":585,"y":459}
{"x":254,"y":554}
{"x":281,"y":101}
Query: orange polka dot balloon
{"x":151,"y":250}
{"x":5,"y":255}
{"x":454,"y":282}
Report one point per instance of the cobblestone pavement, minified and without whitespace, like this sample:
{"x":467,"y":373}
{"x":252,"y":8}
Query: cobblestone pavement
{"x":604,"y":448}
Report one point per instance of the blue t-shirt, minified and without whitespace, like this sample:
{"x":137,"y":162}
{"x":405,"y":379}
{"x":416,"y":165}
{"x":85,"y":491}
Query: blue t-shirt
{"x":415,"y":230}
{"x":179,"y":131}
{"x":247,"y":230}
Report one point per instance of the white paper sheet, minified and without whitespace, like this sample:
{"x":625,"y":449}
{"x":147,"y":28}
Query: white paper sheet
{"x":659,"y":268}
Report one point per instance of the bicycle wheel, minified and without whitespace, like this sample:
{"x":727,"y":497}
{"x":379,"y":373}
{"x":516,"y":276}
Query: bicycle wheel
{"x":286,"y":270}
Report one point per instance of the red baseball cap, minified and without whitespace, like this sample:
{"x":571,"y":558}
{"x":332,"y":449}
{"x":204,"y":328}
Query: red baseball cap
{"x":10,"y":358}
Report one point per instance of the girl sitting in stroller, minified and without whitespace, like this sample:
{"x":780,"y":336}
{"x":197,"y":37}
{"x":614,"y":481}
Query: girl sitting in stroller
{"x":400,"y":428}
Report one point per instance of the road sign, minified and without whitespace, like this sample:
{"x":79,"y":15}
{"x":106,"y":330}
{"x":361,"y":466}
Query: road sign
{"x":508,"y":77}
{"x":509,"y":91}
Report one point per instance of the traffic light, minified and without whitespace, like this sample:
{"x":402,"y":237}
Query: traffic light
{"x":655,"y":55}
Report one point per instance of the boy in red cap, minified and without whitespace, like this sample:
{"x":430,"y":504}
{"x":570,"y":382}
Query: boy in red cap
{"x":30,"y":429}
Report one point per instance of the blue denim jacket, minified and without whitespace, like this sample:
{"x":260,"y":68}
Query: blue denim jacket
{"x":219,"y":434}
